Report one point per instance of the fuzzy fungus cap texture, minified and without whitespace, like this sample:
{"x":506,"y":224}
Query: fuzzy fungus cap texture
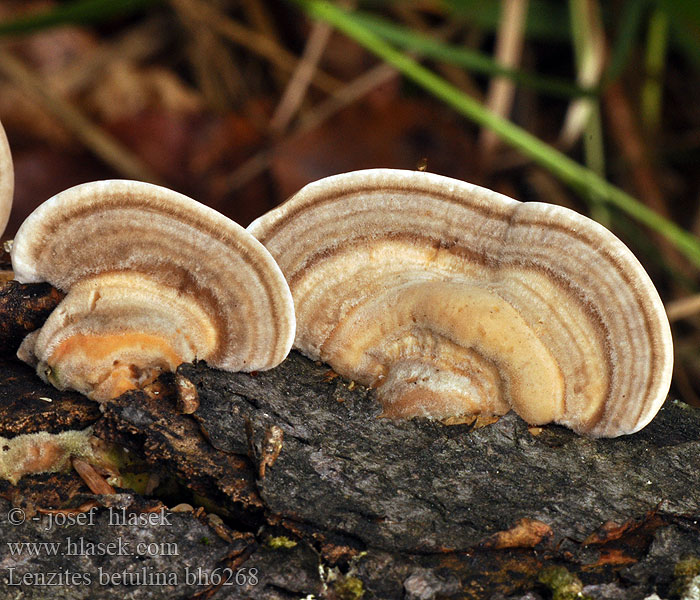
{"x":451,"y":299}
{"x":153,"y":279}
{"x":7,"y":180}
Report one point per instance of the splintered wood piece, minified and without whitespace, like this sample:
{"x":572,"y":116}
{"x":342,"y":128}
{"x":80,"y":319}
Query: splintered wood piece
{"x":148,"y":423}
{"x":91,"y":477}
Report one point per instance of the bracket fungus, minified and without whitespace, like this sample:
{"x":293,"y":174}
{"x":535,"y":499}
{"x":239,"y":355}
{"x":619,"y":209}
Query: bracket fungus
{"x":7,"y":180}
{"x":451,"y":300}
{"x":153,"y":279}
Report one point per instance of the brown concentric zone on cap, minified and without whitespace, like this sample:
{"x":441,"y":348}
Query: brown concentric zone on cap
{"x":454,"y":247}
{"x":134,"y":201}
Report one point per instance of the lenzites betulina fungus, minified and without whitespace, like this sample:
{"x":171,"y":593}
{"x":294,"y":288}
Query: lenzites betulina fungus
{"x":451,"y":299}
{"x":7,"y":180}
{"x":153,"y":279}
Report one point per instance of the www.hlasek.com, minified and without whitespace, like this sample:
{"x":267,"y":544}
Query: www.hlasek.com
{"x":81,"y":546}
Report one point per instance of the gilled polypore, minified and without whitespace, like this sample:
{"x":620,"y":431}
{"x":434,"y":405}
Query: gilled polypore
{"x":153,"y":279}
{"x":7,"y":180}
{"x":451,"y":300}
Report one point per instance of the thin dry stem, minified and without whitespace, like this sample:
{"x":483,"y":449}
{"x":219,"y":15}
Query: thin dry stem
{"x":627,"y":134}
{"x":359,"y":87}
{"x":299,"y":83}
{"x":136,"y":44}
{"x":257,"y":43}
{"x":509,"y":47}
{"x":260,"y":18}
{"x":683,"y":308}
{"x":351,"y":93}
{"x":95,"y":138}
{"x":258,"y":15}
{"x":456,"y":75}
{"x":590,"y":63}
{"x":216,"y":73}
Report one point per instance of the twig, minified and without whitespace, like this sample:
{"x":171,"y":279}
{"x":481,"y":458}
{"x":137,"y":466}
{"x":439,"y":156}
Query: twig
{"x":453,"y":73}
{"x":257,"y":43}
{"x":589,"y":38}
{"x":259,"y":17}
{"x":509,"y":46}
{"x":589,"y":46}
{"x":96,"y":139}
{"x":359,"y":87}
{"x":216,"y":73}
{"x":626,"y":132}
{"x":138,"y":43}
{"x":300,"y":80}
{"x":95,"y":481}
{"x":351,"y":93}
{"x":257,"y":13}
{"x":683,"y":308}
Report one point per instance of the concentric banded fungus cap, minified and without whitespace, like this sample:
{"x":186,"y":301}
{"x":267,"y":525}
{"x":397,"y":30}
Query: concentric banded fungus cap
{"x":7,"y":180}
{"x":452,"y":299}
{"x":154,"y":279}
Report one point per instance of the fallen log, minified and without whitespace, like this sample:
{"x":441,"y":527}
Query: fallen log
{"x":324,"y":497}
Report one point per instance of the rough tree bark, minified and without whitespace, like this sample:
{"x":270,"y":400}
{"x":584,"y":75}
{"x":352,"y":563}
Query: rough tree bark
{"x":321,"y":496}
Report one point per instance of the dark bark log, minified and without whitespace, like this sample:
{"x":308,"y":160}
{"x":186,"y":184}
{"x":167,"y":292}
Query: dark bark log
{"x":420,"y":486}
{"x":103,"y":556}
{"x":333,"y":501}
{"x":28,"y":405}
{"x":448,"y":510}
{"x":148,"y":424}
{"x":23,"y":308}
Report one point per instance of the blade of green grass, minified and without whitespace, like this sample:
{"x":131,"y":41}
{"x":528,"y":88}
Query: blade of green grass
{"x":546,"y":19}
{"x":577,"y":176}
{"x":652,"y":91}
{"x":685,"y":16}
{"x":585,"y":25}
{"x":464,"y":57}
{"x":630,"y":25}
{"x":78,"y":12}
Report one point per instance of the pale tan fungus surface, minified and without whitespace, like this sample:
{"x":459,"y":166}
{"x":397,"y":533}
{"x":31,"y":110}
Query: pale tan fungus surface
{"x":452,"y":299}
{"x":118,"y":331}
{"x":7,"y":181}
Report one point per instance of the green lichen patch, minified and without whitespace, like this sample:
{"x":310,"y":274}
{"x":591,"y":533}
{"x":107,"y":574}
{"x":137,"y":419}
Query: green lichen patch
{"x":280,"y":541}
{"x":686,"y":569}
{"x":349,"y":588}
{"x":562,"y":584}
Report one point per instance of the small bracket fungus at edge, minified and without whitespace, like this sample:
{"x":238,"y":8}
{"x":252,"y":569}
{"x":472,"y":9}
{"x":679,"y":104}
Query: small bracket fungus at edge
{"x":7,"y":180}
{"x":452,"y":299}
{"x":153,"y":279}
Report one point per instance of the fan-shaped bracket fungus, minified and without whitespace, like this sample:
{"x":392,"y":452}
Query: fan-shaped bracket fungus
{"x":451,"y":299}
{"x":153,"y":279}
{"x":7,"y":180}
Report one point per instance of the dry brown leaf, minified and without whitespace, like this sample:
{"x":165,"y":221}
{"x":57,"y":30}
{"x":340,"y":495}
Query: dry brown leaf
{"x":526,"y":533}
